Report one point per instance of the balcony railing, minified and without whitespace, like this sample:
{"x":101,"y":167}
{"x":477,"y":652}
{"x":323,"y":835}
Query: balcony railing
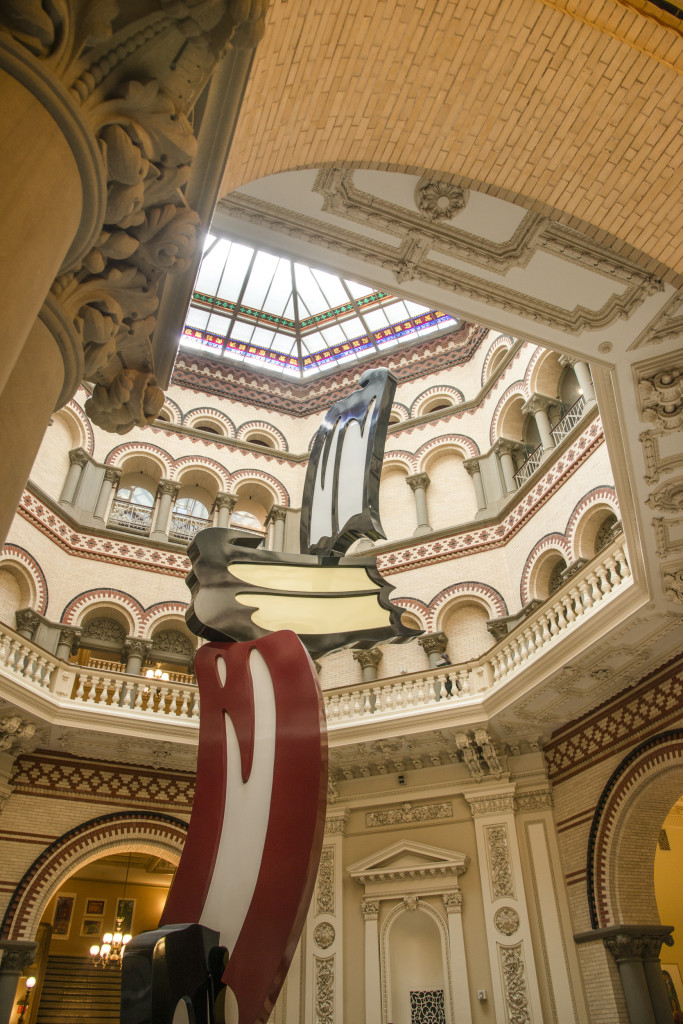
{"x":569,"y":420}
{"x":184,"y":527}
{"x":530,"y":466}
{"x":433,"y":690}
{"x":129,"y":516}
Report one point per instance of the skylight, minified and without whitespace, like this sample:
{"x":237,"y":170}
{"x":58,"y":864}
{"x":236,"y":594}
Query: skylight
{"x":251,"y":306}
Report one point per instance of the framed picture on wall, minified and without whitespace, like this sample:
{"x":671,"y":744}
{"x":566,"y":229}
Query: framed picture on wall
{"x":95,"y":907}
{"x":92,"y":926}
{"x":64,"y":910}
{"x":124,"y":910}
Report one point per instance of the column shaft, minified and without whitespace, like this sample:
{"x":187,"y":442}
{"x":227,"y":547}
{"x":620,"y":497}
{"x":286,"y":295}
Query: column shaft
{"x":583,"y":375}
{"x":543,"y":424}
{"x":373,"y":994}
{"x":508,"y":467}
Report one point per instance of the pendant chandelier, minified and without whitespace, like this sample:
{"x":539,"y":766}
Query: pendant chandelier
{"x":110,"y":951}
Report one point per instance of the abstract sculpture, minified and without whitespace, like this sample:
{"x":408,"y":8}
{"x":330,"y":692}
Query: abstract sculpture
{"x":241,"y":892}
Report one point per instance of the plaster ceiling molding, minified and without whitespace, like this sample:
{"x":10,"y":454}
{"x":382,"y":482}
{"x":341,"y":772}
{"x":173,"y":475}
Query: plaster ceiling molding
{"x":668,"y":497}
{"x":617,"y":287}
{"x":665,"y":327}
{"x":439,"y":200}
{"x":661,"y":397}
{"x":668,"y":536}
{"x":673,"y":584}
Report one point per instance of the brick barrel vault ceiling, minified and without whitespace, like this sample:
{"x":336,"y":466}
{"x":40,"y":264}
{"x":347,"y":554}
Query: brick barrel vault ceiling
{"x":565,"y":105}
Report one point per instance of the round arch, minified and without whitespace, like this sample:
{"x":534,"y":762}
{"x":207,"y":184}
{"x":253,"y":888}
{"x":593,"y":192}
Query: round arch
{"x":629,"y":813}
{"x":22,"y":566}
{"x":435,"y":918}
{"x":508,"y":418}
{"x":140,"y":831}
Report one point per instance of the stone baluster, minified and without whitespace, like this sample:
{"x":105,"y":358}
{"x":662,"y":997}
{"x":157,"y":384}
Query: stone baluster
{"x":110,"y":482}
{"x":558,"y":609}
{"x":474,"y":469}
{"x":505,"y":449}
{"x":538,"y":406}
{"x":583,"y":376}
{"x":139,"y":694}
{"x":586,"y":596}
{"x":78,"y":459}
{"x":222,"y":508}
{"x":620,"y":556}
{"x":68,"y":643}
{"x":578,"y":603}
{"x":167,"y":492}
{"x":418,"y":484}
{"x":367,"y":702}
{"x":195,"y":706}
{"x":92,"y":682}
{"x":612,"y":572}
{"x":276,"y":521}
{"x":369,"y":661}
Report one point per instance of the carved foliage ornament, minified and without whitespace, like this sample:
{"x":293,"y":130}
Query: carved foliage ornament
{"x":439,"y":200}
{"x":324,"y":935}
{"x":514,"y":982}
{"x":506,"y":920}
{"x":324,"y":892}
{"x":661,"y":397}
{"x":499,"y":861}
{"x":147,"y":145}
{"x":324,"y":990}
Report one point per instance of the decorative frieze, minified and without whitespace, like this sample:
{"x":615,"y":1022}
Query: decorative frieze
{"x":407,"y":813}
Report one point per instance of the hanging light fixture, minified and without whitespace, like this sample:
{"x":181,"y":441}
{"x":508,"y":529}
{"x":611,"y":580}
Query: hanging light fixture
{"x":156,"y":673}
{"x":110,"y":951}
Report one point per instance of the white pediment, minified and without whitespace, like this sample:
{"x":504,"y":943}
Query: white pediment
{"x":407,"y":860}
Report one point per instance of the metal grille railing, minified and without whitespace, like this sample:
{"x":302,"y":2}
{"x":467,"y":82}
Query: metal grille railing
{"x":529,"y":466}
{"x":184,"y":527}
{"x":129,"y":516}
{"x":569,"y":420}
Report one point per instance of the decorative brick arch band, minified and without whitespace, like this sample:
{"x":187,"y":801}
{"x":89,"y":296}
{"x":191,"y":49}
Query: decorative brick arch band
{"x":88,"y":437}
{"x":400,"y":410}
{"x":551,"y":542}
{"x":416,"y":607}
{"x":15,"y":553}
{"x":263,"y":427}
{"x":628,"y":818}
{"x":446,"y":391}
{"x":470,"y":588}
{"x":207,"y":412}
{"x":118,"y":454}
{"x":517,"y":389}
{"x":465,"y":445}
{"x":142,"y":620}
{"x":598,"y":496}
{"x":218,"y":472}
{"x":146,"y":832}
{"x":258,"y":476}
{"x":174,"y":410}
{"x":400,"y":459}
{"x":502,"y":341}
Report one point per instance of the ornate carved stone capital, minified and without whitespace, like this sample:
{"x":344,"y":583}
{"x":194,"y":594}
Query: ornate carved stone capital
{"x":631,"y":941}
{"x":225,"y":500}
{"x":433,"y":643}
{"x":418,"y":481}
{"x":15,"y":732}
{"x":490,"y":803}
{"x":439,"y":200}
{"x":565,"y":360}
{"x":336,"y":822}
{"x":168,"y":487}
{"x":112,"y":474}
{"x":70,"y":636}
{"x":472,"y":466}
{"x":277,"y":512}
{"x":27,"y":620}
{"x":369,"y":658}
{"x":134,"y":648}
{"x":370,"y":909}
{"x":505,"y":446}
{"x":78,"y":457}
{"x":16,"y":956}
{"x":452,"y":901}
{"x":537,"y":403}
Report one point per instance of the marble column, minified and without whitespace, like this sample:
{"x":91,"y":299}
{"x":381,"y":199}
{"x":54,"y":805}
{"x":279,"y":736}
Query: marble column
{"x":16,"y":957}
{"x":135,"y":651}
{"x":78,"y":459}
{"x":474,"y":469}
{"x":434,"y":645}
{"x":418,"y":484}
{"x":505,"y":449}
{"x":368,"y":661}
{"x":373,"y":992}
{"x":583,"y":376}
{"x":452,"y":901}
{"x":167,"y":491}
{"x":276,"y":521}
{"x":223,"y":506}
{"x":636,"y":951}
{"x":110,"y":481}
{"x":538,"y":406}
{"x":27,"y":622}
{"x":68,"y":642}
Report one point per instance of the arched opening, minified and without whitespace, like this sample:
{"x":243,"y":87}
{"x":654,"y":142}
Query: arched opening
{"x":51,"y":464}
{"x":668,"y":871}
{"x":172,"y":652}
{"x":464,"y":623}
{"x":498,"y":359}
{"x":102,"y":640}
{"x":208,"y":425}
{"x":451,"y":500}
{"x":133,"y":506}
{"x":193,"y":504}
{"x":546,"y":575}
{"x":416,"y":990}
{"x":16,"y":591}
{"x":254,"y":502}
{"x":259,"y":438}
{"x":397,"y":503}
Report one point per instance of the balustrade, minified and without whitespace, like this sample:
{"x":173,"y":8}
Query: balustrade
{"x":569,"y":420}
{"x":128,"y":515}
{"x":184,"y":527}
{"x":106,"y":685}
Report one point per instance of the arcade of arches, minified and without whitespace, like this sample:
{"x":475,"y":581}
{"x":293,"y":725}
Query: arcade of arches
{"x":482,"y":199}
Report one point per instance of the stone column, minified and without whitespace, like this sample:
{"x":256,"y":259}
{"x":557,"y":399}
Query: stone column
{"x":27,"y":622}
{"x":513,"y":970}
{"x":167,"y":491}
{"x":452,"y":901}
{"x":16,"y":957}
{"x":276,"y":519}
{"x":368,"y":661}
{"x":110,"y":481}
{"x":504,"y":449}
{"x":636,"y":951}
{"x":418,"y":484}
{"x":78,"y":460}
{"x":373,"y":993}
{"x":68,"y":642}
{"x":583,"y":376}
{"x":474,"y":469}
{"x":223,"y":506}
{"x":538,"y":406}
{"x":434,"y":645}
{"x":136,"y":651}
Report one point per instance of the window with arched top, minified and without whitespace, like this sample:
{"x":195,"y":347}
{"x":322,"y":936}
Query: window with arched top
{"x":246,"y":520}
{"x":136,"y":495}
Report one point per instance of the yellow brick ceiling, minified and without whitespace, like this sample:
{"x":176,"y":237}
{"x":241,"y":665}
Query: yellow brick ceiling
{"x":562,"y":104}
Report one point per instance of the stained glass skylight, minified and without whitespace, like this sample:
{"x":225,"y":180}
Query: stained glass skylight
{"x":251,"y":306}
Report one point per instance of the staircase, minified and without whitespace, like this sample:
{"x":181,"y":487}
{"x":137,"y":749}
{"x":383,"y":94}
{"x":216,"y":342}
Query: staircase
{"x":76,"y":992}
